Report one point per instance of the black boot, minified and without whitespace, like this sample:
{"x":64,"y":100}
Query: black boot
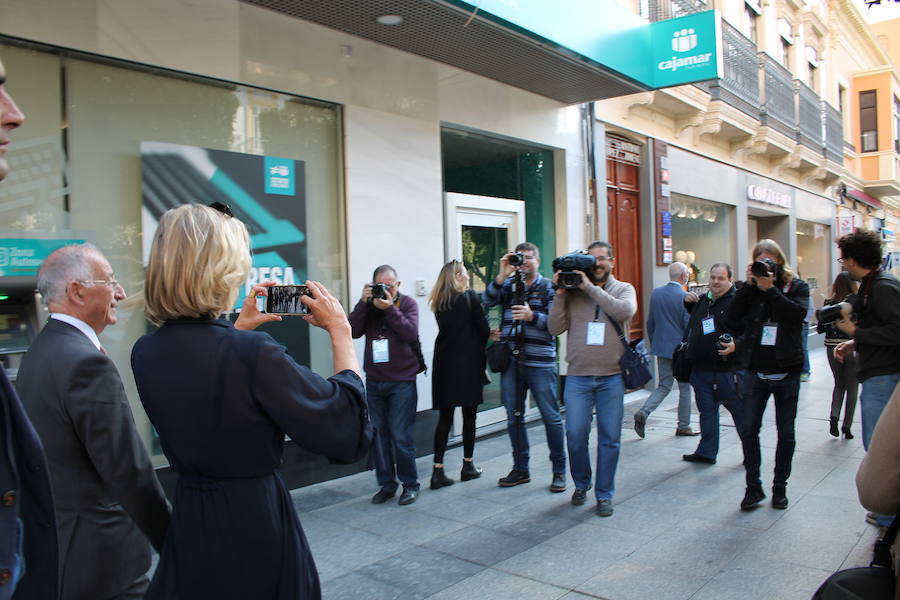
{"x":752,"y":497}
{"x":847,"y":434}
{"x":779,"y":497}
{"x":438,"y":479}
{"x":469,"y":471}
{"x":834,"y":428}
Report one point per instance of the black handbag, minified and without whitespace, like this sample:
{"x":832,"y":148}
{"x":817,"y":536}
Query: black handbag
{"x":875,"y":582}
{"x":498,"y":355}
{"x":635,"y":362}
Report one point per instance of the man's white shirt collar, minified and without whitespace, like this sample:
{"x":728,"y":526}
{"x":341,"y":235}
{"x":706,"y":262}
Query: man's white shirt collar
{"x":80,"y":326}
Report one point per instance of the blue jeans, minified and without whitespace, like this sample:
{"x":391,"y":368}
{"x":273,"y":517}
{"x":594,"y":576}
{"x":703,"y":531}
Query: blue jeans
{"x":785,"y":393}
{"x":666,"y":381}
{"x":606,"y":396}
{"x":514,"y":386}
{"x":876,"y":391}
{"x":392,"y":407}
{"x":711,"y":389}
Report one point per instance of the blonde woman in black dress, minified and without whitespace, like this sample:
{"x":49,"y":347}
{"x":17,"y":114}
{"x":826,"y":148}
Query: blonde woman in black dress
{"x":458,"y":368}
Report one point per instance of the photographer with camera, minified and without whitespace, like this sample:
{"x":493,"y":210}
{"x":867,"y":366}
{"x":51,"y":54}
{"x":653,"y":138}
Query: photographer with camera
{"x":710,"y":350}
{"x":876,"y":334}
{"x":526,"y":298}
{"x":591,"y":311}
{"x":390,"y":322}
{"x":768,"y":312}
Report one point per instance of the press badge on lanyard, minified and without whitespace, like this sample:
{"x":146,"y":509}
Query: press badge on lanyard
{"x":596,"y":330}
{"x":709,"y":325}
{"x":380,"y":352}
{"x":769,"y":333}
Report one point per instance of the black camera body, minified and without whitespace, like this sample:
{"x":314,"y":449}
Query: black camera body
{"x":516,"y":259}
{"x":765,"y":267}
{"x":723,"y":340}
{"x":833,"y":312}
{"x":570,"y":266}
{"x":380,"y":291}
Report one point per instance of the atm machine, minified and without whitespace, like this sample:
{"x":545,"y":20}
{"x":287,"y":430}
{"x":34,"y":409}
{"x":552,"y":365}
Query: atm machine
{"x":22,"y":315}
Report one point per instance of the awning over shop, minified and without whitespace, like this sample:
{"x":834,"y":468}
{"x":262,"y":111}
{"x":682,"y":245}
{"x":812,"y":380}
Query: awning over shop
{"x":860,"y":196}
{"x":568,"y":50}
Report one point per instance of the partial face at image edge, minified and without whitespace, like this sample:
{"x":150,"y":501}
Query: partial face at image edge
{"x":10,"y":118}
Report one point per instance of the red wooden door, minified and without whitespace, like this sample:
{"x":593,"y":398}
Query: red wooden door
{"x":624,"y":218}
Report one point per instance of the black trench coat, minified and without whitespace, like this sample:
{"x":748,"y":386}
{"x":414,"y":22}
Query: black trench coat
{"x":459,"y":360}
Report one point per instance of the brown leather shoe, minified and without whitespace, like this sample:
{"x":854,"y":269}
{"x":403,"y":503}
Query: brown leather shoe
{"x":687,"y":432}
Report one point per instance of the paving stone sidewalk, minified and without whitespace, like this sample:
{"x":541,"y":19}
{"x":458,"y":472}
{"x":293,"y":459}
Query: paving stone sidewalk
{"x":676,"y":533}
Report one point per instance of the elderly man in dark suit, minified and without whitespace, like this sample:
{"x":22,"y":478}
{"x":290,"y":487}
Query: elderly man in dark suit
{"x":665,"y":327}
{"x":108,"y":500}
{"x":28,"y":551}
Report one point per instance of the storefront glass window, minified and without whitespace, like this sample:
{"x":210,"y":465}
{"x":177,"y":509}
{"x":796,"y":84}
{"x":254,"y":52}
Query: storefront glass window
{"x":701,"y":235}
{"x":97,"y":115}
{"x":814,"y":259}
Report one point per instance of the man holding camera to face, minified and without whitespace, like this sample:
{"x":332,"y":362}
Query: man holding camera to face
{"x":390,"y":322}
{"x":769,"y":312}
{"x":876,"y":334}
{"x":526,"y":298}
{"x":595,"y":311}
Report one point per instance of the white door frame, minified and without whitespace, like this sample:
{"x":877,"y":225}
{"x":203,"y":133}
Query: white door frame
{"x":469,"y":209}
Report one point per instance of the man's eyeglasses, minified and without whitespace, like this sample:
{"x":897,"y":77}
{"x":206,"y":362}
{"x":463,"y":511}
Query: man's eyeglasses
{"x":841,"y":259}
{"x":107,"y":282}
{"x":222,"y":208}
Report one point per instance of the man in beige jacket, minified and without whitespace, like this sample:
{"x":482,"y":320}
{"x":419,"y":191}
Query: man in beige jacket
{"x":591,"y":313}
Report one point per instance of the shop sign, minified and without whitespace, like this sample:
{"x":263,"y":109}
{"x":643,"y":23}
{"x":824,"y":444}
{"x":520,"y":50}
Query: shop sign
{"x":685,"y":49}
{"x":22,"y":257}
{"x":845,"y":225}
{"x":764,"y":195}
{"x":604,"y":32}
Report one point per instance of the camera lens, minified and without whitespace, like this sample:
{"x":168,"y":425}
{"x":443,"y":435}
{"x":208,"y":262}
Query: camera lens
{"x":516,"y":259}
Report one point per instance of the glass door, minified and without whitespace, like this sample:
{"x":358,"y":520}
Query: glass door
{"x":481,"y":229}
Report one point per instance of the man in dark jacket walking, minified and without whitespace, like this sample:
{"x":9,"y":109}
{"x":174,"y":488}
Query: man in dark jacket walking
{"x":769,"y":312}
{"x":876,"y":337}
{"x":713,"y":364}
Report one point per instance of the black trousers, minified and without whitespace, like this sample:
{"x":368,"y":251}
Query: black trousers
{"x":785,"y":394}
{"x":442,"y":432}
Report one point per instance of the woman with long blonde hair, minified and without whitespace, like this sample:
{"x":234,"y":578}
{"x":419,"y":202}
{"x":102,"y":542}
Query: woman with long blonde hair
{"x":459,"y":362}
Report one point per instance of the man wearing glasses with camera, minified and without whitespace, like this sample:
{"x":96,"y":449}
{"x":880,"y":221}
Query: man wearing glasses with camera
{"x":595,"y":312}
{"x":109,"y":504}
{"x":390,"y":322}
{"x":876,"y":334}
{"x":526,"y":298}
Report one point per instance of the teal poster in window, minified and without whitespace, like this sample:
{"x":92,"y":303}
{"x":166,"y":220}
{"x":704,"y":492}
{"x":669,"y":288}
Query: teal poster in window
{"x":268,"y":194}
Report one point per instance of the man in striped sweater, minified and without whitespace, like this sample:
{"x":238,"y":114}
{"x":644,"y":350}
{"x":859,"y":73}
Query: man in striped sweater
{"x":524,"y":328}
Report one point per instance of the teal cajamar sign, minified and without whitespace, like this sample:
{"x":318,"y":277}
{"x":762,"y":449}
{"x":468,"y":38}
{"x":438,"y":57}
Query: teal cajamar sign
{"x":657,"y":55}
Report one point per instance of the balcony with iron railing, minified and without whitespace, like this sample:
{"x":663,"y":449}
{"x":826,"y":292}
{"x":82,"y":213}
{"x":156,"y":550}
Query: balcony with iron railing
{"x":660,"y":10}
{"x":739,"y":86}
{"x":809,"y":116}
{"x":833,"y":129}
{"x":778,"y":110}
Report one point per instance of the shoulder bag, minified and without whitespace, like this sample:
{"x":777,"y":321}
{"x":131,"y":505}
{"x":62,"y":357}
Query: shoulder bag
{"x":635,"y":362}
